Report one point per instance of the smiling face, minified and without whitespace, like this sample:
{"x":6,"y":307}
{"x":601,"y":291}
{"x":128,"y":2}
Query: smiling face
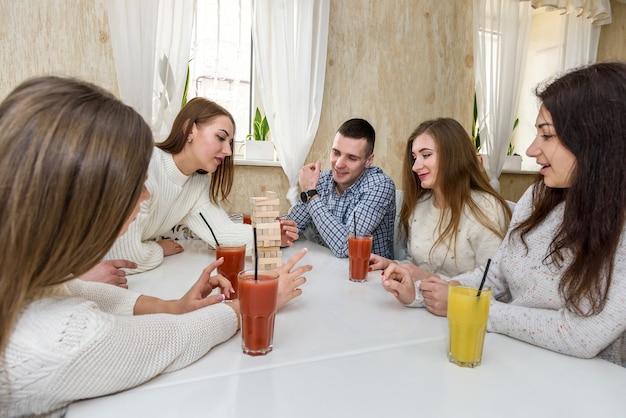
{"x":426,"y":164}
{"x":557,"y":162}
{"x":207,"y":146}
{"x":348,"y":160}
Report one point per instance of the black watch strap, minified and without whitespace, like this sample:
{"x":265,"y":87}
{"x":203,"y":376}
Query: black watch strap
{"x":306,"y":196}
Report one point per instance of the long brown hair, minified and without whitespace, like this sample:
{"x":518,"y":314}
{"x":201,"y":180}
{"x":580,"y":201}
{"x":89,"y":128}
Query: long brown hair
{"x":200,"y":111}
{"x":588,"y":108}
{"x":458,"y":175}
{"x":73,"y":160}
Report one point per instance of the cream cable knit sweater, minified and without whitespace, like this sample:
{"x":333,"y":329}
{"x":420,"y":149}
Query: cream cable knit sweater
{"x":81,"y":341}
{"x":174,"y":198}
{"x":475,"y":242}
{"x":536,"y":313}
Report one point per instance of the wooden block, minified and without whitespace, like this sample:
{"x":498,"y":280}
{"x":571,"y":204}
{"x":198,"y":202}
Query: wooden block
{"x":272,"y":214}
{"x":270,"y":194}
{"x":266,"y":202}
{"x":268,"y":249}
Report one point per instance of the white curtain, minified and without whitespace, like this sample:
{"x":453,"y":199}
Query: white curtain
{"x":501,"y":30}
{"x":598,"y":11}
{"x":151,"y":42}
{"x":290,"y":39}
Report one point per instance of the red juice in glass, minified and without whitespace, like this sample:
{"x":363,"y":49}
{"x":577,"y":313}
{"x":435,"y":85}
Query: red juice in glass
{"x":257,"y":302}
{"x":234,"y":262}
{"x":359,"y":249}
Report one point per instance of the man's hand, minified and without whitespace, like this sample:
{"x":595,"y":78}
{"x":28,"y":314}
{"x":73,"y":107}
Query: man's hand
{"x":309,"y":176}
{"x":288,"y":232}
{"x":289,"y":281}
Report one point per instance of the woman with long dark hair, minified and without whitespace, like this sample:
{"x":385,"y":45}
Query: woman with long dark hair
{"x":563,"y":262}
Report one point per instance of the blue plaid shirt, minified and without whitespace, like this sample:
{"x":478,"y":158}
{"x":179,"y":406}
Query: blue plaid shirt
{"x":329,"y":218}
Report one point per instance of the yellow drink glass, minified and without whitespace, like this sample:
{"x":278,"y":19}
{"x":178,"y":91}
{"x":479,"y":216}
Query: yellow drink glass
{"x":467,"y":321}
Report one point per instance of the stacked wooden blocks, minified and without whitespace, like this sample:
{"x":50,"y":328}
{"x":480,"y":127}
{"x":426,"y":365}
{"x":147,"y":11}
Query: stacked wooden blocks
{"x":265,"y":210}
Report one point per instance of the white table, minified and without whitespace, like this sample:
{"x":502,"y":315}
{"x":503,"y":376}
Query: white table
{"x":347,"y":349}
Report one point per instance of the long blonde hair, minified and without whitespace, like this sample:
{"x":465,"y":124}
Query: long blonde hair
{"x":73,"y":160}
{"x":458,"y":175}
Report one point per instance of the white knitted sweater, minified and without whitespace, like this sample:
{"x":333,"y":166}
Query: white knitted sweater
{"x":474,"y":245}
{"x":81,"y":340}
{"x":536,"y":313}
{"x":174,"y":198}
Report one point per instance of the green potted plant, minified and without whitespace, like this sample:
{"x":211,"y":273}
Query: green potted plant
{"x":258,"y":146}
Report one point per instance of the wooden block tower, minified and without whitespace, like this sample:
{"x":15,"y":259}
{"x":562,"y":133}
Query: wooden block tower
{"x":265,"y":210}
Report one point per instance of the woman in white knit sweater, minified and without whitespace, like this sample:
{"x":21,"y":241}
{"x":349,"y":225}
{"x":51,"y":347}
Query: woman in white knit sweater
{"x":563,"y":262}
{"x":190,"y":174}
{"x":451,"y":216}
{"x":73,"y":160}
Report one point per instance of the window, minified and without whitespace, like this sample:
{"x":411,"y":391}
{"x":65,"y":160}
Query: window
{"x":545,"y":52}
{"x":220,"y":67}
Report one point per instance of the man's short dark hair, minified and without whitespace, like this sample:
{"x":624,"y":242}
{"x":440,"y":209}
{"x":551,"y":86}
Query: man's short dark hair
{"x":359,"y":128}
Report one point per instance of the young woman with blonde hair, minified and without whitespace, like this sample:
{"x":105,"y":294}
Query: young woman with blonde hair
{"x":452,"y":218}
{"x":190,"y":175}
{"x":73,"y":161}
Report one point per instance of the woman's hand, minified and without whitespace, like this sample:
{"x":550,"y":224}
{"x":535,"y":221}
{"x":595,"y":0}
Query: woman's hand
{"x":378,"y":263}
{"x":398,"y":281}
{"x":289,"y":281}
{"x":288,"y":232}
{"x":417,"y":273}
{"x":170,"y":247}
{"x":110,"y":272}
{"x":196,"y":297}
{"x":435,"y":292}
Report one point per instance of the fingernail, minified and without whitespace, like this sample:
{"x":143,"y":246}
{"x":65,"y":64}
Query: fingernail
{"x":220,"y":298}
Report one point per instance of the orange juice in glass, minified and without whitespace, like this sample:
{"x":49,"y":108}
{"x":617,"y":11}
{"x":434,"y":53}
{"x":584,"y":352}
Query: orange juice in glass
{"x":467,"y":321}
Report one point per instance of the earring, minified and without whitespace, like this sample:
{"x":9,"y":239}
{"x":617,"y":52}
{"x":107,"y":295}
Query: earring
{"x":190,"y":138}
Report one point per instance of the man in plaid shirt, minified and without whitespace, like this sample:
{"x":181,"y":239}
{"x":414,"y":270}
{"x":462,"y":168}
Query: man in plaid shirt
{"x":353,"y":191}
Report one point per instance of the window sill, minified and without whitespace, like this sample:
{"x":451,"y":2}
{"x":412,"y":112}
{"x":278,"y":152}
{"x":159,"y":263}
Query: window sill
{"x":260,"y":163}
{"x":530,"y":172}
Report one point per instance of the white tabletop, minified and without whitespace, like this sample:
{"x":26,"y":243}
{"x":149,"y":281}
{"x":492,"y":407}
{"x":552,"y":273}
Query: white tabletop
{"x":350,"y":349}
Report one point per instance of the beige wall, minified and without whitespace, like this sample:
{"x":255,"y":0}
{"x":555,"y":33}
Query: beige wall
{"x":394,"y":63}
{"x":63,"y":37}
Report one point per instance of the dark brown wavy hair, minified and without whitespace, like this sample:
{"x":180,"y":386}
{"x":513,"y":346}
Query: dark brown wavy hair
{"x":73,"y":161}
{"x":200,"y":111}
{"x":588,"y":108}
{"x":459,"y":173}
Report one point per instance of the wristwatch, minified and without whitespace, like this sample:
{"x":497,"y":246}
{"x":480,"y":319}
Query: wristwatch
{"x":306,"y":196}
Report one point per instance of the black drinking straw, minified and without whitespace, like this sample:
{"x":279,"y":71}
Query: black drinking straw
{"x":210,"y":229}
{"x":256,"y":256}
{"x":482,"y":282}
{"x":354,"y":219}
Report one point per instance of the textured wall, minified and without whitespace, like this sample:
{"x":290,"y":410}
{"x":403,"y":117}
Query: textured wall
{"x":394,"y":63}
{"x":62,"y":37}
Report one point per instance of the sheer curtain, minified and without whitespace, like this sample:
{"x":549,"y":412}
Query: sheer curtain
{"x":598,"y":11}
{"x":501,"y":30}
{"x":290,"y":39}
{"x":151,"y":42}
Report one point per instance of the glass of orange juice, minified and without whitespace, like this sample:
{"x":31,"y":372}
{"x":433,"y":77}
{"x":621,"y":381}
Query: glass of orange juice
{"x":467,"y":322}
